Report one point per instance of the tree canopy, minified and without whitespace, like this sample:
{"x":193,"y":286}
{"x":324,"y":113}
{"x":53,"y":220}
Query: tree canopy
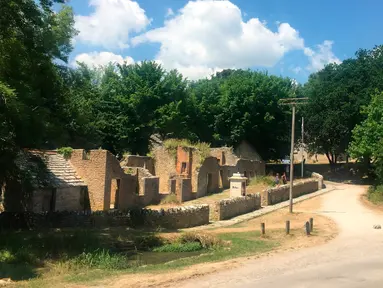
{"x":336,"y":95}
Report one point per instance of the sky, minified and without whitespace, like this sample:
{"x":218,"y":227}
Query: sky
{"x":289,"y":38}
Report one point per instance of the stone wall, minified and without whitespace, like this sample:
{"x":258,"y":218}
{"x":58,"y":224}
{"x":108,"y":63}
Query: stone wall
{"x":229,"y":208}
{"x":150,"y":194}
{"x":225,"y":155}
{"x":69,"y":199}
{"x":184,"y":191}
{"x":139,"y":161}
{"x":92,"y":169}
{"x":165,"y":167}
{"x":279,"y":194}
{"x":208,"y":177}
{"x":174,"y":218}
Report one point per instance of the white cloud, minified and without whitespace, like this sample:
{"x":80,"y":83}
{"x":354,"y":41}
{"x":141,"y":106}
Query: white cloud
{"x":111,"y":23}
{"x":323,"y":56}
{"x":206,"y":36}
{"x":170,"y":12}
{"x":96,"y":59}
{"x":296,"y":69}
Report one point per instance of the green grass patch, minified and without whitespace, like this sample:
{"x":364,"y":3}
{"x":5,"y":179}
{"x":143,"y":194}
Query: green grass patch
{"x":179,"y":247}
{"x":265,"y":180}
{"x":188,"y":249}
{"x":375,"y":194}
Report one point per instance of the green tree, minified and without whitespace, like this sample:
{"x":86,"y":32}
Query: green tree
{"x":367,"y":137}
{"x":336,"y":95}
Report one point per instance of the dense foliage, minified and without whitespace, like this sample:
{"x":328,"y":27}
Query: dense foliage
{"x":336,"y":96}
{"x":118,"y":107}
{"x":367,"y":143}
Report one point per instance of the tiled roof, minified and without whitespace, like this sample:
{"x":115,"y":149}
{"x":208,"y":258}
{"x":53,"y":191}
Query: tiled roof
{"x":60,"y":173}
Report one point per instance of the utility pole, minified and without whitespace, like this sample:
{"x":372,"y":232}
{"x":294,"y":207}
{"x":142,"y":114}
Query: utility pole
{"x":292,"y":102}
{"x":302,"y":148}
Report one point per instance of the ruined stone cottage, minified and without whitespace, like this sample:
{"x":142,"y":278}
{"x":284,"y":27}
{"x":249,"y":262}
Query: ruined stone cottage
{"x":189,"y":174}
{"x":86,"y":180}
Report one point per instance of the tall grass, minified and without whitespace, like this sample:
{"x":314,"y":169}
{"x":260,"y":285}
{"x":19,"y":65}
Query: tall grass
{"x":375,"y":194}
{"x":203,"y":148}
{"x":264,"y":180}
{"x":170,"y":199}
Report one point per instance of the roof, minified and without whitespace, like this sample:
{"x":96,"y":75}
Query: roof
{"x":57,"y":171}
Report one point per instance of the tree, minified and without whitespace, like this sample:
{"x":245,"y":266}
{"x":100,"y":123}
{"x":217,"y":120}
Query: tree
{"x":32,"y":36}
{"x":137,"y":101}
{"x":336,"y":95}
{"x":238,"y":105}
{"x":33,"y":105}
{"x":367,"y":137}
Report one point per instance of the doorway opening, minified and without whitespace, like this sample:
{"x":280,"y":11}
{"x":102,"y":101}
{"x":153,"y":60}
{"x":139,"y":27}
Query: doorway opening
{"x":114,"y":193}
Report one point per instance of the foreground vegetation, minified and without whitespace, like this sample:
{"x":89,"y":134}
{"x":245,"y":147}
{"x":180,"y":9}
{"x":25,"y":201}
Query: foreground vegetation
{"x":375,"y":194}
{"x":79,"y":255}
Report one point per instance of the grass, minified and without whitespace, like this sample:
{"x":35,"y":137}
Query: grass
{"x":375,"y":194}
{"x":179,"y":247}
{"x":265,"y":180}
{"x":24,"y":254}
{"x":203,"y":148}
{"x":170,"y":199}
{"x":90,"y":265}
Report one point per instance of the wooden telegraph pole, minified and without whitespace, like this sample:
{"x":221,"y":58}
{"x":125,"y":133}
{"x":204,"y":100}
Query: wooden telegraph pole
{"x":292,"y":102}
{"x":302,"y":149}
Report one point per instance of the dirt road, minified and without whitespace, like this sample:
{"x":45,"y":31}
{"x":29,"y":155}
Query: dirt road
{"x":353,"y":259}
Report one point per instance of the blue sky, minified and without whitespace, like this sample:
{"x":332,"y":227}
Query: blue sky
{"x":288,"y":38}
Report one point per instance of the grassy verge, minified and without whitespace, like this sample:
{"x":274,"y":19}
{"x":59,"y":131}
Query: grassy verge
{"x":375,"y":194}
{"x":185,"y":250}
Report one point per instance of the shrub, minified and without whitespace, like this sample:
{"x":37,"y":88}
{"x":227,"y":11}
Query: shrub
{"x":267,"y":180}
{"x":170,"y":199}
{"x":65,"y":151}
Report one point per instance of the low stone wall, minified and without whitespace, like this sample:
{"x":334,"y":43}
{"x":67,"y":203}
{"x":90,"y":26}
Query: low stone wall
{"x":279,"y":194}
{"x":229,"y":208}
{"x":174,"y":218}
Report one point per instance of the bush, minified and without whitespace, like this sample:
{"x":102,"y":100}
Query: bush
{"x":170,"y":199}
{"x":267,"y":180}
{"x":179,"y":247}
{"x":375,"y":194}
{"x":65,"y":151}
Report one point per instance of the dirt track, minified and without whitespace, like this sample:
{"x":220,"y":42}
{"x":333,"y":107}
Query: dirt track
{"x":353,"y":259}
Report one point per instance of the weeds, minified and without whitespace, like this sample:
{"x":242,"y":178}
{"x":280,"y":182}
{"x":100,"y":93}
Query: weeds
{"x":170,"y":199}
{"x":375,"y":194}
{"x":266,"y":180}
{"x":203,"y":148}
{"x":100,"y":259}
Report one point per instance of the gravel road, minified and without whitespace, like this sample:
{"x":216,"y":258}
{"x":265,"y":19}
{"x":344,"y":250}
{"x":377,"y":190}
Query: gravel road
{"x":354,"y":259}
